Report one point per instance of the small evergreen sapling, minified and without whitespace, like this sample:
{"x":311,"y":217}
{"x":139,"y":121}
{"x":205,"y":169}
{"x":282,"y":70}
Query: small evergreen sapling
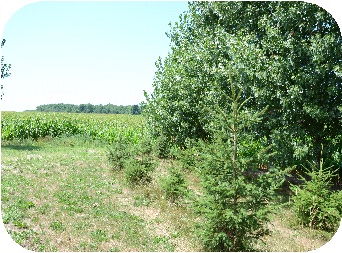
{"x":174,"y":185}
{"x":119,"y":152}
{"x":315,"y":204}
{"x":139,"y":167}
{"x":138,"y":171}
{"x":235,"y":204}
{"x":161,"y":146}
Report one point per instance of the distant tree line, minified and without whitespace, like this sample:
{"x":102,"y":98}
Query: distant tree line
{"x":89,"y":108}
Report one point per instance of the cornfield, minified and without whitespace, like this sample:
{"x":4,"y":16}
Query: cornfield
{"x":106,"y":127}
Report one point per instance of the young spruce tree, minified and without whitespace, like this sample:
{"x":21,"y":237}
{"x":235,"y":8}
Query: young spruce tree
{"x":315,"y":204}
{"x":236,"y":199}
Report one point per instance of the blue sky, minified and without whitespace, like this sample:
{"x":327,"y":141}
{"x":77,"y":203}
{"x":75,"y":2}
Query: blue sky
{"x":85,"y":52}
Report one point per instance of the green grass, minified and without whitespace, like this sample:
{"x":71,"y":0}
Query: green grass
{"x":62,"y":197}
{"x":287,"y":235}
{"x":61,"y":194}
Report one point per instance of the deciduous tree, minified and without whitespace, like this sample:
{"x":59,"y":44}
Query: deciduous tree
{"x":286,"y":55}
{"x":5,"y":67}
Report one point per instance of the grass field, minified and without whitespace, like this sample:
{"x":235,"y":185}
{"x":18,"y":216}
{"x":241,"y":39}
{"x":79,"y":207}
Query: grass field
{"x":61,"y":194}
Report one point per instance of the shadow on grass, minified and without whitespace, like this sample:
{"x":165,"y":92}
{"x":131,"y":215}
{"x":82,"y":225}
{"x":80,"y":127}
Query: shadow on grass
{"x":20,"y":147}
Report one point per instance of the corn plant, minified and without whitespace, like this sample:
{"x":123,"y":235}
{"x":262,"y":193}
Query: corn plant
{"x":108,"y":128}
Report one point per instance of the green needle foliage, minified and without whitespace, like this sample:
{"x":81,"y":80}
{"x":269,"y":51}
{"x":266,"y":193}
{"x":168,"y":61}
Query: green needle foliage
{"x":237,"y":194}
{"x":139,"y":171}
{"x":138,"y":168}
{"x":174,"y":185}
{"x":119,"y":152}
{"x":316,"y":206}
